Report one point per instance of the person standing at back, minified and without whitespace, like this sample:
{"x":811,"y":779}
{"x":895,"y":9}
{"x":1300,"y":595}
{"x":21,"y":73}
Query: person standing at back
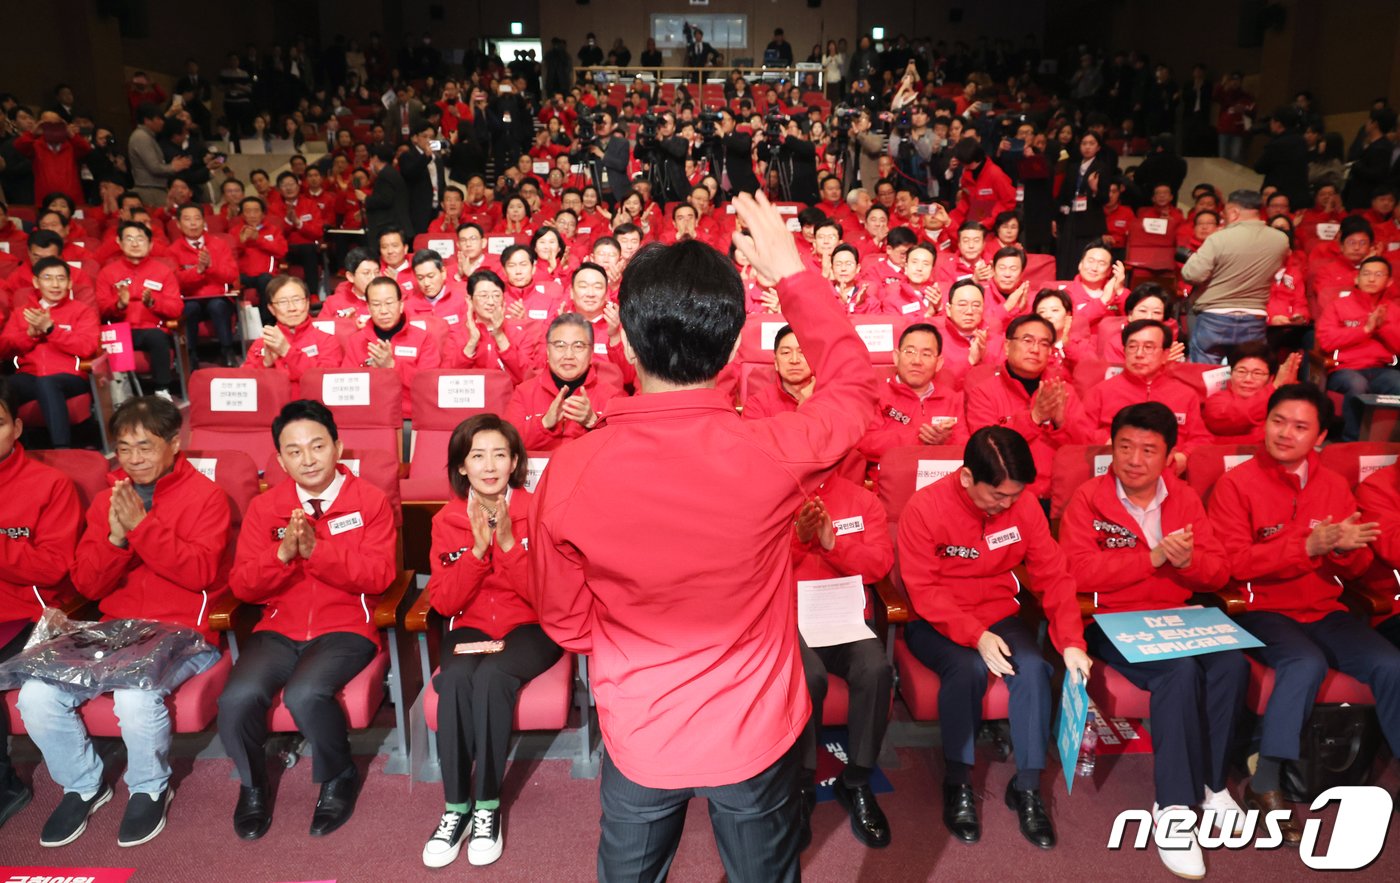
{"x":638,"y":560}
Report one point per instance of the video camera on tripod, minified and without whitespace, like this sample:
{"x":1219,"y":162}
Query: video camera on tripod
{"x":774,"y":126}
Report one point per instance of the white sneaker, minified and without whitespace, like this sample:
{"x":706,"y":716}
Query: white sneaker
{"x":1188,"y":863}
{"x":485,"y":847}
{"x":1226,"y":809}
{"x":442,"y":848}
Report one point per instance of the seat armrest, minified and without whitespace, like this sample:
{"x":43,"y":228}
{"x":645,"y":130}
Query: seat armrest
{"x":1229,"y":599}
{"x":416,"y":620}
{"x":1087,"y":607}
{"x":1369,"y":601}
{"x":386,"y":612}
{"x":893,"y":608}
{"x":227,"y":612}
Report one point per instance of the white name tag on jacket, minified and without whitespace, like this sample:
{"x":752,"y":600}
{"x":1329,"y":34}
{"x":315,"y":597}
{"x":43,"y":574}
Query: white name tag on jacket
{"x":913,"y":307}
{"x":1003,"y":538}
{"x":855,"y":524}
{"x":310,"y":350}
{"x":600,"y":349}
{"x":538,"y":314}
{"x":408,"y":352}
{"x":1080,"y":204}
{"x":153,"y":285}
{"x":345,"y":522}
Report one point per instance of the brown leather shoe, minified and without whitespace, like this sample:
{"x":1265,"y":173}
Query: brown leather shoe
{"x":1267,"y":803}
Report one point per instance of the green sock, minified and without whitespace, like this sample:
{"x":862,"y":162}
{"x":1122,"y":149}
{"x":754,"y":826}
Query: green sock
{"x":488,"y":804}
{"x":459,"y":807}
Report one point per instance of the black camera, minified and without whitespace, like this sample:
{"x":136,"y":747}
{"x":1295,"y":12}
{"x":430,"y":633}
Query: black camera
{"x":774,"y":125}
{"x":707,"y":124}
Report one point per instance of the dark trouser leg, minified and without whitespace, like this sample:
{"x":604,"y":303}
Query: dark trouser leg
{"x":52,"y":393}
{"x":1354,"y":648}
{"x":964,"y":681}
{"x":1299,"y":666}
{"x":1390,"y":629}
{"x":155,"y":343}
{"x":1190,"y":732}
{"x":815,"y":671}
{"x":326,"y":665}
{"x":308,"y":257}
{"x":869,"y":677}
{"x":218,"y":312}
{"x":1030,"y":706}
{"x":259,"y":283}
{"x":1350,"y":384}
{"x":265,"y":664}
{"x":640,"y":828}
{"x":756,"y":823}
{"x":15,"y":645}
{"x":476,"y":704}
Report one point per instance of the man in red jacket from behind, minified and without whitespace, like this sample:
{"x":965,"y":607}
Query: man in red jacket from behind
{"x":959,"y":540}
{"x":153,"y":548}
{"x":48,"y":335}
{"x":1140,"y":540}
{"x":36,"y":552}
{"x":317,"y":551}
{"x":662,"y":548}
{"x":1294,"y":533}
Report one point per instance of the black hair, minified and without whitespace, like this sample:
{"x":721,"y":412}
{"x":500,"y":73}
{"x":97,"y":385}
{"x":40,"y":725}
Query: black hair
{"x":1255,"y":349}
{"x":460,"y":445}
{"x":782,"y":332}
{"x":1134,"y":327}
{"x":383,"y":152}
{"x":391,"y":230}
{"x":1016,"y":324}
{"x":1053,"y":294}
{"x":356,"y":256}
{"x":426,"y":256}
{"x":1142,"y":293}
{"x":302,"y":409}
{"x":9,"y":399}
{"x":588,"y":265}
{"x":472,"y":225}
{"x":624,"y":230}
{"x":1376,"y":259}
{"x":511,"y":251}
{"x":288,"y":174}
{"x":481,"y":276}
{"x":563,"y":246}
{"x":1150,"y":416}
{"x":51,"y":198}
{"x":1353,"y":224}
{"x":256,"y":199}
{"x":682,"y":307}
{"x":843,"y":248}
{"x":1305,"y":392}
{"x":381,"y":281}
{"x":967,"y":282}
{"x":900,"y":236}
{"x":1010,"y":251}
{"x":154,"y":414}
{"x":1248,"y":200}
{"x":132,"y":225}
{"x":1006,"y":218}
{"x":811,"y":217}
{"x":44,"y":239}
{"x":924,"y":327}
{"x":49,"y":263}
{"x":997,"y":453}
{"x":180,"y":210}
{"x":971,"y":227}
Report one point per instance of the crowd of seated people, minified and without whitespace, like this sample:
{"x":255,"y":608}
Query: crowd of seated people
{"x":992,"y":270}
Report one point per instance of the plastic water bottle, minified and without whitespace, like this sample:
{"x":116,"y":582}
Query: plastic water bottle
{"x":1088,"y":749}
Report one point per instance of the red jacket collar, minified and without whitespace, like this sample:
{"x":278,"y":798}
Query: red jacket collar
{"x":179,"y":473}
{"x":12,"y":465}
{"x":1276,"y":469}
{"x":679,"y":404}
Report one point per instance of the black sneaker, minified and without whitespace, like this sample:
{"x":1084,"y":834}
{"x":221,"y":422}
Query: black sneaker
{"x":442,"y":848}
{"x":485,"y":844}
{"x":69,"y":819}
{"x":14,"y":796}
{"x":145,"y":818}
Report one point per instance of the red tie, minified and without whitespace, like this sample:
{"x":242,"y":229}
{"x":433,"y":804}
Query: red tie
{"x":316,"y":511}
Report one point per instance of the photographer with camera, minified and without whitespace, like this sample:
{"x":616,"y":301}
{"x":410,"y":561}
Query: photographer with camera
{"x":796,"y":160}
{"x":735,"y":167}
{"x":912,"y":144}
{"x":605,"y":150}
{"x":864,"y":147}
{"x":664,"y":151}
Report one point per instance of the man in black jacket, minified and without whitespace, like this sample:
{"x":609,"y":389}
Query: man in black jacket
{"x":613,"y":153}
{"x":423,"y":172}
{"x":1284,"y":162}
{"x":736,"y":155}
{"x":667,"y":157}
{"x":1160,"y":166}
{"x":797,"y":159}
{"x":1379,"y":162}
{"x":387,"y":204}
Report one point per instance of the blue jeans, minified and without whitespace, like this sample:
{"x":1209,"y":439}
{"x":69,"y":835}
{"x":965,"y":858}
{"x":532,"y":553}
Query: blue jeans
{"x":1232,"y":147}
{"x":1215,"y":335}
{"x":1383,"y":380}
{"x":51,"y":717}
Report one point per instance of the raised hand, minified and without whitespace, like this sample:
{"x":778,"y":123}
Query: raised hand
{"x":768,"y":245}
{"x":554,"y":412}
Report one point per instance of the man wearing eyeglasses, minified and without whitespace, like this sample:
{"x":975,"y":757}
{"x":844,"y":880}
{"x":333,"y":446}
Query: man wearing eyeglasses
{"x":143,"y":292}
{"x":294,"y":344}
{"x":568,"y":400}
{"x":1146,"y":377}
{"x":1027,"y":397}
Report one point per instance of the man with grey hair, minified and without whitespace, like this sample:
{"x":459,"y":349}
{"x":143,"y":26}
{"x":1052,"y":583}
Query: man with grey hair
{"x":1231,"y":274}
{"x":569,"y":398}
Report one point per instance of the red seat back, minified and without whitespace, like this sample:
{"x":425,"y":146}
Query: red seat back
{"x":1089,"y":373}
{"x":234,"y":471}
{"x":881,"y":336}
{"x":905,"y":471}
{"x":366,"y":403}
{"x":1355,"y":461}
{"x":1074,"y":465}
{"x":756,"y":340}
{"x":442,"y":399}
{"x":233,"y":408}
{"x":86,"y":469}
{"x":1205,"y":465}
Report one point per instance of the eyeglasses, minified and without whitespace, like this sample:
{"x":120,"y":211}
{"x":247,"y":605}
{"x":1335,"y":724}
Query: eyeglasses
{"x":1030,"y":341}
{"x":289,"y":303}
{"x":910,"y":352}
{"x":564,"y":346}
{"x":134,"y":238}
{"x":1250,"y":375}
{"x":1146,"y":349}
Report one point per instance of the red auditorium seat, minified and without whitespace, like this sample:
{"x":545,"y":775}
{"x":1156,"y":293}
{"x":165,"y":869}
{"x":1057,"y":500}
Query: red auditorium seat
{"x":1207,"y":463}
{"x":1352,"y":459}
{"x":1074,"y":465}
{"x":233,"y":408}
{"x":1336,"y":688}
{"x":919,"y":687}
{"x":442,"y":399}
{"x":366,"y":403}
{"x":904,"y":471}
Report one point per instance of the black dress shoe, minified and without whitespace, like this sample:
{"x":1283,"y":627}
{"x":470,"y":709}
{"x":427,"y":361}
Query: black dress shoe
{"x":960,"y":813}
{"x":335,"y":805}
{"x":1030,"y":812}
{"x":253,"y":814}
{"x":868,"y":823}
{"x":806,"y":804}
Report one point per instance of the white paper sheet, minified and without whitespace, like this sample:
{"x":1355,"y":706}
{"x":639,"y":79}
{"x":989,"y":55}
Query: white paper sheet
{"x":832,"y":611}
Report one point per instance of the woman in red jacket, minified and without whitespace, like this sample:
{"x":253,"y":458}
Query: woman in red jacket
{"x":1235,"y":415}
{"x":480,"y":567}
